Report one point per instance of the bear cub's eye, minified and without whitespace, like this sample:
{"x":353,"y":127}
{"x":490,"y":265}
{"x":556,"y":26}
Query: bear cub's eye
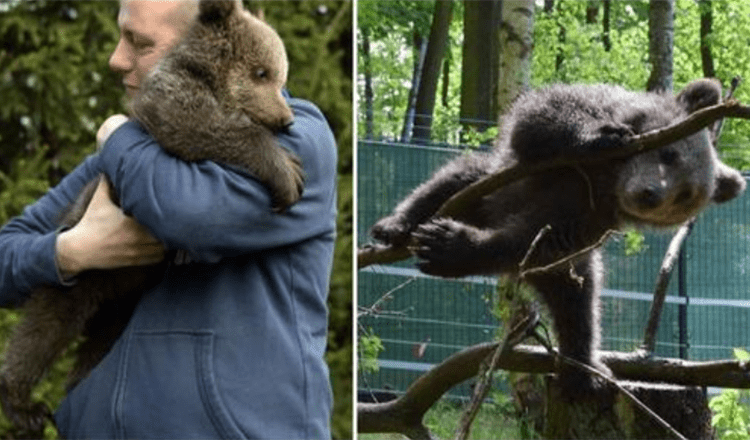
{"x":261,"y":73}
{"x":668,"y":157}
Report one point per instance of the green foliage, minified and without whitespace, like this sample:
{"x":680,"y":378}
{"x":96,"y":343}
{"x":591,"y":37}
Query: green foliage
{"x":732,"y":417}
{"x":392,"y":59}
{"x":634,"y":242}
{"x":26,"y":181}
{"x":584,"y":58}
{"x":475,"y":138}
{"x":495,"y":420}
{"x":57,"y":89}
{"x":369,"y":347}
{"x":578,"y":56}
{"x":54,"y":79}
{"x":402,"y":16}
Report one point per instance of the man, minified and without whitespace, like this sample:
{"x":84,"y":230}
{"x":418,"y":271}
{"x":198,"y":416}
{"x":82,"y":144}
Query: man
{"x":230,"y":344}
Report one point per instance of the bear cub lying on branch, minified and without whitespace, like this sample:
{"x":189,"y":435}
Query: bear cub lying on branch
{"x":662,"y":187}
{"x":216,"y":95}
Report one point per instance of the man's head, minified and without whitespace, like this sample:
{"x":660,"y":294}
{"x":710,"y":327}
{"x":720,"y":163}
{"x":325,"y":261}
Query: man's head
{"x":148,"y":30}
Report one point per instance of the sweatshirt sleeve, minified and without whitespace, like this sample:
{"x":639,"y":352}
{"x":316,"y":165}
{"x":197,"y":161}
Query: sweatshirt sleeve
{"x":27,"y":242}
{"x":213,"y":211}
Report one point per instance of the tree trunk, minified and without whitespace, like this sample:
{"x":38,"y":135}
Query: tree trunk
{"x":480,"y":64}
{"x":610,"y":413}
{"x":592,"y":11}
{"x":606,"y":9}
{"x":707,"y":58}
{"x":367,"y":69}
{"x":516,"y":44}
{"x":661,"y":44}
{"x":436,"y":48}
{"x":420,"y":48}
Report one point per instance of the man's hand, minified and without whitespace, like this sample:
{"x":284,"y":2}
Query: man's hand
{"x":105,"y":238}
{"x":108,"y":127}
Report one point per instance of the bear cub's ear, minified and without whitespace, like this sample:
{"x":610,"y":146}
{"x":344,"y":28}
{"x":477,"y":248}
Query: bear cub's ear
{"x":700,"y":93}
{"x":216,"y":11}
{"x":729,"y":183}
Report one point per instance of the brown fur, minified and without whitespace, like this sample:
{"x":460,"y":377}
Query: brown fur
{"x":660,"y":188}
{"x":217,"y":96}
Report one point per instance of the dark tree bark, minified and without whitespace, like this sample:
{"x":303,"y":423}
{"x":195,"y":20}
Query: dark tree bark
{"x":367,"y":69}
{"x":592,"y":11}
{"x":436,"y":48}
{"x":661,"y":44}
{"x":707,"y":58}
{"x":480,"y":64}
{"x":420,"y":47}
{"x":606,"y":9}
{"x":446,"y":81}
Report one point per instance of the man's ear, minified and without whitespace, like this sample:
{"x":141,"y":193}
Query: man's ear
{"x":700,"y":93}
{"x":217,"y":11}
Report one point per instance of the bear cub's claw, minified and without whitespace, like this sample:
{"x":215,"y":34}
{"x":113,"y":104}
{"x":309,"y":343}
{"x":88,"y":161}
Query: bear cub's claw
{"x":394,"y":230}
{"x":292,"y":179}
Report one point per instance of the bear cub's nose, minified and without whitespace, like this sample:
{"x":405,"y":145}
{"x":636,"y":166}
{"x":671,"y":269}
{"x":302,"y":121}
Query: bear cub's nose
{"x":649,"y":198}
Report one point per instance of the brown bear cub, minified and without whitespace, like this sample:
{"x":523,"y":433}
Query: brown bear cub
{"x":663,"y":187}
{"x":216,"y":96}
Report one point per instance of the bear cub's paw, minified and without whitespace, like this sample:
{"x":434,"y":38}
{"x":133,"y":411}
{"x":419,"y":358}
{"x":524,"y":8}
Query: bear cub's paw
{"x":606,"y":135}
{"x":289,"y":182}
{"x":31,"y":417}
{"x":394,"y":230}
{"x":444,"y":245}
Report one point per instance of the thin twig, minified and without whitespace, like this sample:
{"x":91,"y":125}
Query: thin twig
{"x":514,"y":337}
{"x":719,"y":125}
{"x":569,"y":258}
{"x":480,"y":393}
{"x":374,"y":309}
{"x":542,"y":232}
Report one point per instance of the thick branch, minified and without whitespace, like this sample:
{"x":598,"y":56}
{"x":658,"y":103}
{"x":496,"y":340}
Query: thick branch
{"x":464,"y":365}
{"x":515,"y":171}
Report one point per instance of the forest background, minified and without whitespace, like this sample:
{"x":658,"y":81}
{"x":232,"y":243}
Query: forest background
{"x":56,"y":90}
{"x":473,"y":65}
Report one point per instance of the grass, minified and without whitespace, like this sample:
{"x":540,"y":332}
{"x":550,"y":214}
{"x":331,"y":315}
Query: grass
{"x":495,"y":421}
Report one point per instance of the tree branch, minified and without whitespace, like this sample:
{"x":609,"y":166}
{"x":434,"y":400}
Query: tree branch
{"x":372,"y":254}
{"x":662,"y":282}
{"x":461,"y":366}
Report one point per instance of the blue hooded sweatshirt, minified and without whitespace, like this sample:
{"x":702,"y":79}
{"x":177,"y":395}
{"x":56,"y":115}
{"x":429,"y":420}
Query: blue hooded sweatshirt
{"x":228,"y":345}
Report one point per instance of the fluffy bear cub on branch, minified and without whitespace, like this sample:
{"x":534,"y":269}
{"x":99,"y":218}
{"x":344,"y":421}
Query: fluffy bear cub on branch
{"x":661,"y":188}
{"x":217,"y":95}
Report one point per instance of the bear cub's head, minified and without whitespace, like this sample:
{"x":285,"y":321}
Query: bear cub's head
{"x":671,"y":184}
{"x":249,"y":60}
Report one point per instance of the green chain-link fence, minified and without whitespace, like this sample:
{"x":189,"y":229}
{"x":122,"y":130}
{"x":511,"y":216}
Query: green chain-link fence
{"x":706,"y":314}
